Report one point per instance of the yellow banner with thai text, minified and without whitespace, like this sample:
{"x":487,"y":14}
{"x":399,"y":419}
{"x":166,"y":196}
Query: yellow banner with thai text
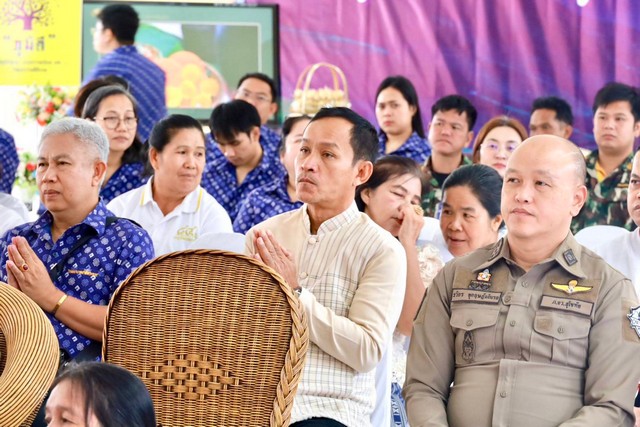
{"x":40,"y":42}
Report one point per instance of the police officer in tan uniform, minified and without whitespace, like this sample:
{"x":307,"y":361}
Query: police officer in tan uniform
{"x":535,"y":330}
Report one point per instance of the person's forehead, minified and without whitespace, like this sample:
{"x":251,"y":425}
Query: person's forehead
{"x":333,"y":129}
{"x":61,"y":143}
{"x":543,"y":114}
{"x":540,"y":161}
{"x":451,"y":116}
{"x":236,"y":137}
{"x":389,"y":94}
{"x":256,"y":85}
{"x":615,"y":107}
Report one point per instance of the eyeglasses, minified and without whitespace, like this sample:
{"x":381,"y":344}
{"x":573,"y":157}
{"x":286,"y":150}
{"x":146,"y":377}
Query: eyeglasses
{"x":112,"y":122}
{"x":258,"y":97}
{"x":494,"y":146}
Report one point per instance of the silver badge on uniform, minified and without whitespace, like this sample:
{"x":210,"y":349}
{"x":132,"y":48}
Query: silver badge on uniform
{"x":634,"y":319}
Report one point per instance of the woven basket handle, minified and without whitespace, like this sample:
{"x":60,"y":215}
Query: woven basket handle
{"x":310,"y":70}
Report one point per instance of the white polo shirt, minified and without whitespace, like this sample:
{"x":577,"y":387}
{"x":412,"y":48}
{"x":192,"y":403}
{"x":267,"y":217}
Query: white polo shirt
{"x":199,"y":213}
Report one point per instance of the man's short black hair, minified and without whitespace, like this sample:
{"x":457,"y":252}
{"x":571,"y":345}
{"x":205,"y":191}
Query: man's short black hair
{"x":364,"y":138}
{"x":458,"y":103}
{"x":122,"y":20}
{"x":263,"y":77}
{"x":613,"y":92}
{"x":234,"y":117}
{"x":558,"y":105}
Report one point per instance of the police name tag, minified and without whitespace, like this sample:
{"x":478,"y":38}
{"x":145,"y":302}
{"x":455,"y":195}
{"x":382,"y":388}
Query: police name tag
{"x":470,"y":295}
{"x":567,"y":304}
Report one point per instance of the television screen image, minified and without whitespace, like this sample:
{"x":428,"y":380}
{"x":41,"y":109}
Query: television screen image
{"x":203,"y":49}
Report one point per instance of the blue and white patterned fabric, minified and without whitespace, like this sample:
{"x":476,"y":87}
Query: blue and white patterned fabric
{"x":263,"y":203}
{"x":146,"y":83}
{"x":8,"y":162}
{"x":414,"y":147}
{"x":220,"y":180}
{"x":269,"y":140}
{"x":128,"y":177}
{"x":94,"y":271}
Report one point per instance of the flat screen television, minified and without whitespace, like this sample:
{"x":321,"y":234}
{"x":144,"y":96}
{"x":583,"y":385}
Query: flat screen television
{"x":204,"y":49}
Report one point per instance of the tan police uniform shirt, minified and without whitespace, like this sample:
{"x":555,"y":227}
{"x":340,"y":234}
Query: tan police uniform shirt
{"x":551,"y":346}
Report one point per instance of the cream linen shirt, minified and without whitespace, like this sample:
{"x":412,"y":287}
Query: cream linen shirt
{"x":552,"y":346}
{"x":198,"y":213}
{"x":353,"y":275}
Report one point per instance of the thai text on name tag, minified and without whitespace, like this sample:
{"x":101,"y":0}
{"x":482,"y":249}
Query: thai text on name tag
{"x":469,"y":295}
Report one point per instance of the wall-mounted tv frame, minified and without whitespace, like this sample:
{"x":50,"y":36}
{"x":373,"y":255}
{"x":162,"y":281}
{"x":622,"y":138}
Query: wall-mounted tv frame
{"x":203,"y":48}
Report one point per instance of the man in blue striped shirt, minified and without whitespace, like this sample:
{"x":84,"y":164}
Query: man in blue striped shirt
{"x":113,"y":37}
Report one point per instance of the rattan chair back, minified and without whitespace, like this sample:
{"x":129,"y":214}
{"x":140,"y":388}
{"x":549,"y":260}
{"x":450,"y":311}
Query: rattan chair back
{"x":218,"y":338}
{"x":29,"y":357}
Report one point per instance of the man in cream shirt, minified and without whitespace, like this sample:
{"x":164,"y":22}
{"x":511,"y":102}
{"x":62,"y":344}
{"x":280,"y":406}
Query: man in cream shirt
{"x":350,"y":273}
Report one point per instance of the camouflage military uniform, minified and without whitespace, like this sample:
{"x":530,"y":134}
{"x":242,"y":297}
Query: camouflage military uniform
{"x":607,"y":200}
{"x":433,"y":192}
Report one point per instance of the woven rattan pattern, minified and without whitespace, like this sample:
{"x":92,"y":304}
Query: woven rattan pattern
{"x":191,"y":376}
{"x":29,"y":357}
{"x":213,"y":310}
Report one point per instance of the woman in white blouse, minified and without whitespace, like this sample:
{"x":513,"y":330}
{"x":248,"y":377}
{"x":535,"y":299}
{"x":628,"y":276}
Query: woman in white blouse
{"x":172,"y":206}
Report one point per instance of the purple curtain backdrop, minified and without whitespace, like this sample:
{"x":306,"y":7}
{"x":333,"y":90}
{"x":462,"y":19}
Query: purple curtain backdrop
{"x":501,"y":54}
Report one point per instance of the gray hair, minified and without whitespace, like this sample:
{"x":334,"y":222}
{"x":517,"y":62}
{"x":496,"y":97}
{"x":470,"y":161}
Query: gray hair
{"x":84,"y":131}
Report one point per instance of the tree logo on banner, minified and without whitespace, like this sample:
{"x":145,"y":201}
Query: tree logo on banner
{"x":27,"y":11}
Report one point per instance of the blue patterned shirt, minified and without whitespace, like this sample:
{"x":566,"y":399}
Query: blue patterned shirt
{"x":8,"y":162}
{"x":146,"y":82}
{"x":269,"y":140}
{"x":220,"y":180}
{"x":263,"y":203}
{"x":94,"y":271}
{"x":126,"y":178}
{"x":414,"y":147}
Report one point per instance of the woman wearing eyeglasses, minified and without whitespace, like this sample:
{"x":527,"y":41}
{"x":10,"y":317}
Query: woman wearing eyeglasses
{"x":115,"y":110}
{"x":496,"y":141}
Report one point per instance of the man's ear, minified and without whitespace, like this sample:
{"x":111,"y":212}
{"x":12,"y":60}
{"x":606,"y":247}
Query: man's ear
{"x":579,"y":198}
{"x":273,"y":108}
{"x":365,"y":169}
{"x":469,"y":138}
{"x":99,"y":170}
{"x":568,"y":130}
{"x":254,"y":135}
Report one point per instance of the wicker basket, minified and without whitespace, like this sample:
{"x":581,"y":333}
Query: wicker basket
{"x":310,"y":101}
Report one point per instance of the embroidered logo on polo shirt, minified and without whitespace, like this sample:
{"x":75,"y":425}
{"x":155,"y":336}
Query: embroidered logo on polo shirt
{"x":190,"y":234}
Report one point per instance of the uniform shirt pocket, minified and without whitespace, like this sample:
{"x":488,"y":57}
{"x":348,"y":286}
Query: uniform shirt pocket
{"x":475,"y":332}
{"x":560,"y":338}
